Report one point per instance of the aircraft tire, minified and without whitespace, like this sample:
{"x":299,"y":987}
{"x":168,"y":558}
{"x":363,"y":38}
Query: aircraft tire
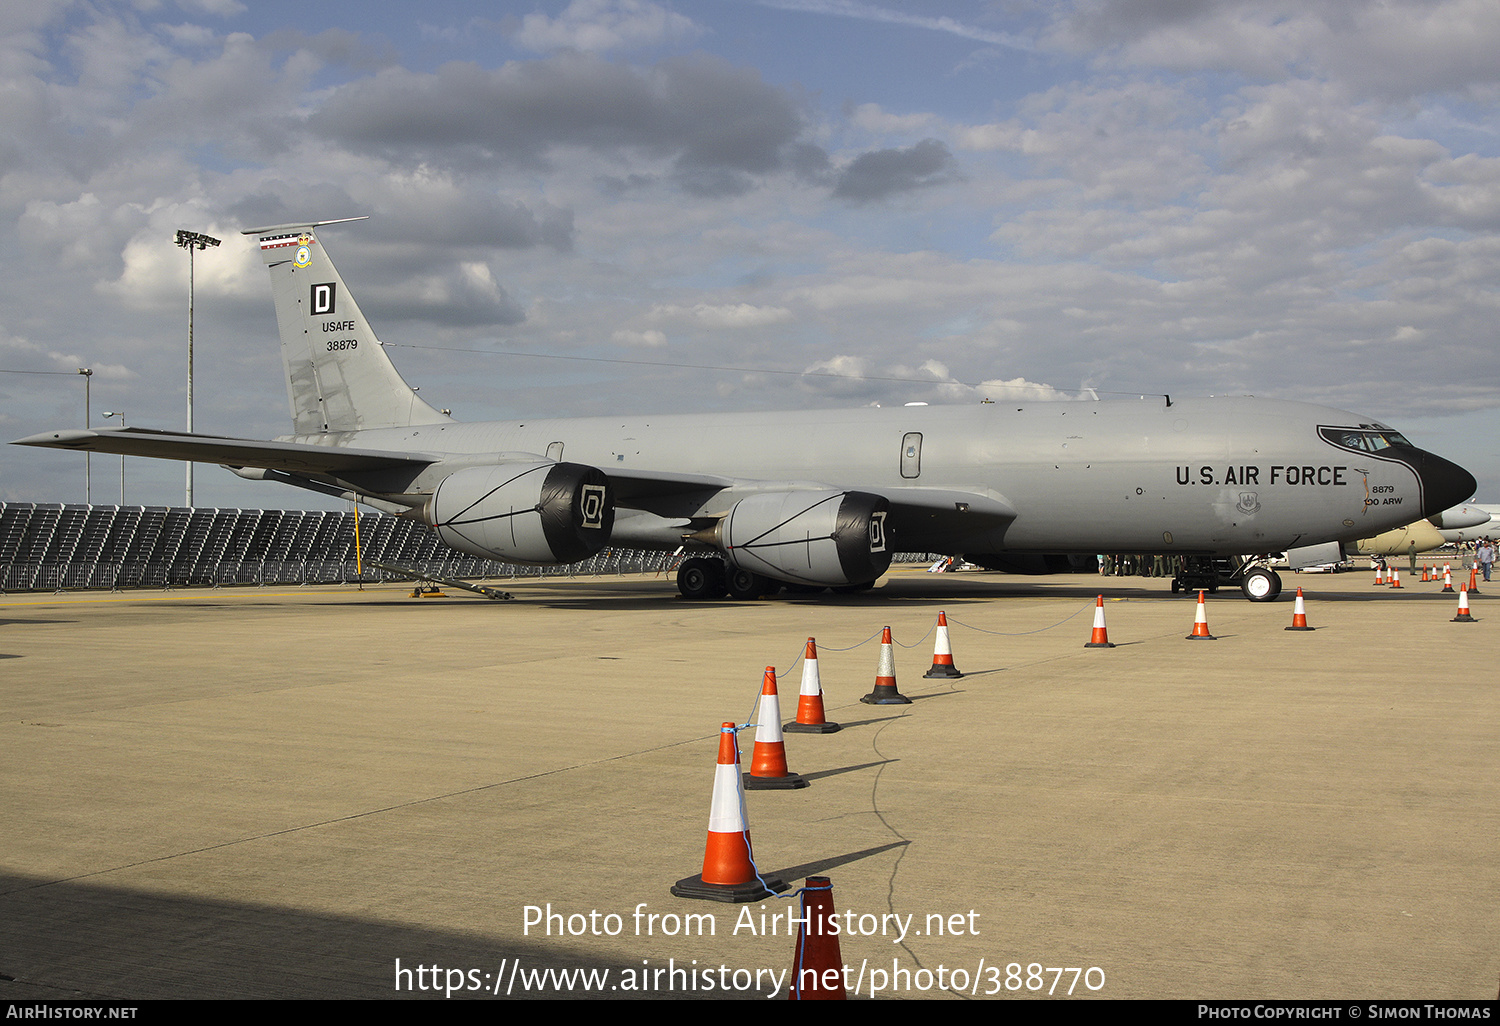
{"x":700,"y":579}
{"x":1261,"y":585}
{"x":746,"y":584}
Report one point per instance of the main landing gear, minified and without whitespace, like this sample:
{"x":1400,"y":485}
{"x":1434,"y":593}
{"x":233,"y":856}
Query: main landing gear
{"x":707,"y":578}
{"x":700,"y":578}
{"x":746,"y":585}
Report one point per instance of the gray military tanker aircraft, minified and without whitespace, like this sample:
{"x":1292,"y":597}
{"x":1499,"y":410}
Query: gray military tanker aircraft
{"x":814,"y":499}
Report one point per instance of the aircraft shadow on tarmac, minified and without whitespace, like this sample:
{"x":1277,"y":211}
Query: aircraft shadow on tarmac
{"x":642,"y":594}
{"x":72,"y":941}
{"x":27,"y":623}
{"x":75,"y":941}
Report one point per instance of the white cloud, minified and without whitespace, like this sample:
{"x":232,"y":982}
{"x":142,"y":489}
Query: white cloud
{"x":872,"y":118}
{"x":190,"y":35}
{"x":1005,"y":389}
{"x":154,"y":272}
{"x":220,"y":8}
{"x":597,"y":26}
{"x":723,"y":315}
{"x":650,"y":338}
{"x":1394,"y":49}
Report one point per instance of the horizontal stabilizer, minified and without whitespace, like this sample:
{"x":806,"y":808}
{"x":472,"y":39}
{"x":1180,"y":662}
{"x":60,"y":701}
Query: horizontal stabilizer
{"x":234,"y":452}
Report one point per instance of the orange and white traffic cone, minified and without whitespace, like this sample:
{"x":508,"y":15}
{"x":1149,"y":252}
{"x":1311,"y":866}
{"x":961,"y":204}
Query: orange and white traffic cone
{"x":728,"y":864}
{"x":1395,"y":577}
{"x":1425,"y":578}
{"x":1200,"y":623}
{"x":1299,"y":615}
{"x":1100,"y":637}
{"x":942,"y":652}
{"x":817,"y":964}
{"x":886,"y":692}
{"x":810,"y":718}
{"x":1447,"y":579}
{"x":768,"y":770}
{"x":1380,"y":575}
{"x":1463,"y":608}
{"x":1474,"y":580}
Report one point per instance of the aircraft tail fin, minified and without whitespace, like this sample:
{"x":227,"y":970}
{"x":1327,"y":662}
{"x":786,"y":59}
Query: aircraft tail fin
{"x":338,"y":375}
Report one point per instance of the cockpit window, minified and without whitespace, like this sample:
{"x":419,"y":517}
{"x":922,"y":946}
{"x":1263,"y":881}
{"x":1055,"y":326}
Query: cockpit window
{"x":1364,"y":439}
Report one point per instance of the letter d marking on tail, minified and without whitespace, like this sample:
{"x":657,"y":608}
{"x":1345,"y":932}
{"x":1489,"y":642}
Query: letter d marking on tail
{"x":323,"y":298}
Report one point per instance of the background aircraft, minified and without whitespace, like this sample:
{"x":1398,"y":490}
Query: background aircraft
{"x":1453,"y":531}
{"x":812,"y":499}
{"x":1466,"y":522}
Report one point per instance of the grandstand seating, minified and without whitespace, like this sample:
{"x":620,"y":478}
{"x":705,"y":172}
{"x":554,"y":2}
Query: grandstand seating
{"x":48,"y":547}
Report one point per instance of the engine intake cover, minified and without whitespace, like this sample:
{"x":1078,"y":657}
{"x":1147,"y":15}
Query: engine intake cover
{"x":813,"y":537}
{"x":538,"y":513}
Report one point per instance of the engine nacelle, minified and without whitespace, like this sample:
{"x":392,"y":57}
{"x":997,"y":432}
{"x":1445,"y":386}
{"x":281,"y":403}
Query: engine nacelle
{"x":524,"y":512}
{"x":814,"y":537}
{"x":1315,"y":555}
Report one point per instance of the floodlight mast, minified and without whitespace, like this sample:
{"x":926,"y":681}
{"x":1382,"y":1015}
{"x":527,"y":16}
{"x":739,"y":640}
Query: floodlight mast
{"x":88,"y":479}
{"x":117,"y":413}
{"x":191,"y":241}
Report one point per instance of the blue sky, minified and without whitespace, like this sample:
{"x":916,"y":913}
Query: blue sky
{"x":1298,"y":200}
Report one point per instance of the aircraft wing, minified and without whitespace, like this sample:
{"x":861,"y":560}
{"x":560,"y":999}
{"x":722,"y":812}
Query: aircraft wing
{"x":293,"y":457}
{"x":652,"y":489}
{"x":635,"y":487}
{"x":918,"y":516}
{"x":914,"y":511}
{"x":946,"y":502}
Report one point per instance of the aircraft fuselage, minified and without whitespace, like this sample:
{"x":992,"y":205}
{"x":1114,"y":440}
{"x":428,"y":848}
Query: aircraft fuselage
{"x":1221,"y":476}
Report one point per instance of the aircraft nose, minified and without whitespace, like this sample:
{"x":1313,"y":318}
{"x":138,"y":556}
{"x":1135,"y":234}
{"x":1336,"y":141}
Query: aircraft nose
{"x":1444,"y":484}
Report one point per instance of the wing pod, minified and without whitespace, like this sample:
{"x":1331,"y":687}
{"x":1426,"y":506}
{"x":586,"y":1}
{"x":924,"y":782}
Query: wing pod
{"x":538,"y":513}
{"x":812,"y":537}
{"x":1460,"y":517}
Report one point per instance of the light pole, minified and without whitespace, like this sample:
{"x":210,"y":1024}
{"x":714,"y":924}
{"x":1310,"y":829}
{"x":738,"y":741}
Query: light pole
{"x":191,"y":241}
{"x":121,"y":415}
{"x":88,"y":481}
